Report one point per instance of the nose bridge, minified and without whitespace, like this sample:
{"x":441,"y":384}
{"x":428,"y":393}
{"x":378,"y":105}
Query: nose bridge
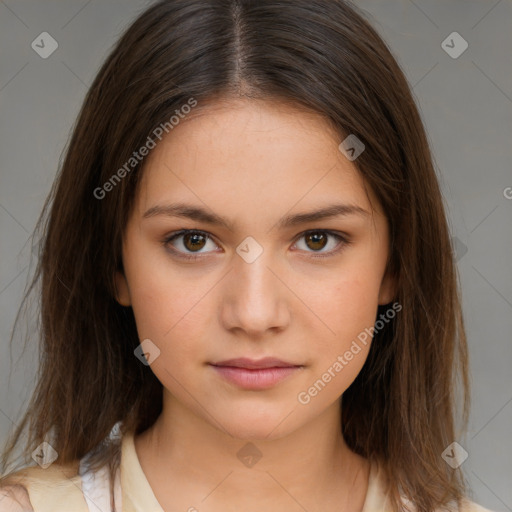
{"x":254,"y":297}
{"x":254,"y":278}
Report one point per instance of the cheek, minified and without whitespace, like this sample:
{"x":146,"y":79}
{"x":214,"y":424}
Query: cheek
{"x":167,"y":309}
{"x":347,"y":307}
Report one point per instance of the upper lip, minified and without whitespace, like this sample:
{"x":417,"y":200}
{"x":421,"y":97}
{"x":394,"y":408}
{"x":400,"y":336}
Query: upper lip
{"x":244,"y":362}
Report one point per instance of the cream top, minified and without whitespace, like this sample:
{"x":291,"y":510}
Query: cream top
{"x":63,"y":489}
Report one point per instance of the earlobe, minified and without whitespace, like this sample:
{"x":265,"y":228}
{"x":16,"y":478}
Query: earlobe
{"x":122,"y":290}
{"x":388,"y":289}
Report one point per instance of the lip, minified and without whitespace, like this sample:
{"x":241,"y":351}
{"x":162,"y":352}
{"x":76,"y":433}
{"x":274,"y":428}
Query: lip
{"x":255,"y":374}
{"x":253,"y":364}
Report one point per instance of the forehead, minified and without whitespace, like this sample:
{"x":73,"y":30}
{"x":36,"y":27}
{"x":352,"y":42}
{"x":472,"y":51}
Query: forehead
{"x":252,"y":155}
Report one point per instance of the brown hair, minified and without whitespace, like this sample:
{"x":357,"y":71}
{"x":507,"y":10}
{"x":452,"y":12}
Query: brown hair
{"x":321,"y":55}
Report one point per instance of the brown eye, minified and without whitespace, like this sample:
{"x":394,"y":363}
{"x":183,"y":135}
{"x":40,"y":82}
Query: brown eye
{"x":188,"y":243}
{"x":316,"y":240}
{"x":194,"y":241}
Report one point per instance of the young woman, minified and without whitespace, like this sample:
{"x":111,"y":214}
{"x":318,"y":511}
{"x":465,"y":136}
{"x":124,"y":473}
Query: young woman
{"x":248,"y":295}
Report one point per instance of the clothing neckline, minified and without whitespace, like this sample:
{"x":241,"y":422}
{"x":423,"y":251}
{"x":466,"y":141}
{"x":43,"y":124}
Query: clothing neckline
{"x":137,"y":491}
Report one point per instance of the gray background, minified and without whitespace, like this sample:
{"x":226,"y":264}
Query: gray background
{"x":466,"y":103}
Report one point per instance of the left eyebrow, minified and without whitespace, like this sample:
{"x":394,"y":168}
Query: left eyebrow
{"x":334,"y":210}
{"x":200,"y":214}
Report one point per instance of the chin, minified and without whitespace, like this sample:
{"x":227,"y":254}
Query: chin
{"x":257,"y":424}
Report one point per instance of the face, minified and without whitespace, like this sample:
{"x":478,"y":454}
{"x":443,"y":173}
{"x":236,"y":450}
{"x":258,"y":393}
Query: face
{"x":254,"y":307}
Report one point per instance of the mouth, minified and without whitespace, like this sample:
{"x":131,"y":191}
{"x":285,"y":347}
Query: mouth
{"x":252,"y":374}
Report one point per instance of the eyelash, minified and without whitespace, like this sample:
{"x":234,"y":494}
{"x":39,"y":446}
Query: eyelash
{"x":343,"y":239}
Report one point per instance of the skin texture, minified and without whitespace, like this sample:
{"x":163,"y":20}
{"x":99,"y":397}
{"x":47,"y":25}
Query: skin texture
{"x":253,"y":162}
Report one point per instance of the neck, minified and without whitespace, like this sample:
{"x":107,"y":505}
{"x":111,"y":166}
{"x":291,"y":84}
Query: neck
{"x":186,"y":459}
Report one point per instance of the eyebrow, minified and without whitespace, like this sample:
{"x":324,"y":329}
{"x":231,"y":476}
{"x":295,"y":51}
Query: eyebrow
{"x":200,"y":214}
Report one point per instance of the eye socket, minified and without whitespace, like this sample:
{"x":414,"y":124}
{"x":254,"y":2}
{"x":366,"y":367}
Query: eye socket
{"x":193,"y":238}
{"x":319,"y":239}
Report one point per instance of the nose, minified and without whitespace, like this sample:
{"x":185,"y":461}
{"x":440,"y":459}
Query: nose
{"x":255,"y":297}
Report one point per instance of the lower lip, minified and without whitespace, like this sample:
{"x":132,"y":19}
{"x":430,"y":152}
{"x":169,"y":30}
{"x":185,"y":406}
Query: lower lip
{"x":261,"y":378}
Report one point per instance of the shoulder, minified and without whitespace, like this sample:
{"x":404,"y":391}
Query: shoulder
{"x":37,"y":489}
{"x":14,"y":498}
{"x":466,"y":506}
{"x":470,"y":506}
{"x":54,"y":475}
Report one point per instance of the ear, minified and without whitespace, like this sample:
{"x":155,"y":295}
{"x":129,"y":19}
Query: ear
{"x":122,"y":290}
{"x":388,"y":289}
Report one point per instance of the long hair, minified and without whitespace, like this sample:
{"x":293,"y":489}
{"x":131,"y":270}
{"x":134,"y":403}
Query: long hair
{"x":321,"y":55}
